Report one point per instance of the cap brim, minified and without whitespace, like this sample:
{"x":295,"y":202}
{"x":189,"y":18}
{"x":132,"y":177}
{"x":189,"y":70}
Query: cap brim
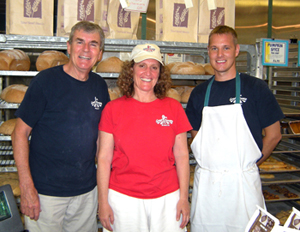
{"x":139,"y":59}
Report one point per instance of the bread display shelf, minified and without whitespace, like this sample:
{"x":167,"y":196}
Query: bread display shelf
{"x":6,"y":105}
{"x":282,"y":178}
{"x":288,"y":160}
{"x":291,"y":188}
{"x":5,"y":137}
{"x":104,"y":75}
{"x":8,"y":169}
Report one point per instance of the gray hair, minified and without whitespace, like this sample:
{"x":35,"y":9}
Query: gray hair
{"x":88,"y":27}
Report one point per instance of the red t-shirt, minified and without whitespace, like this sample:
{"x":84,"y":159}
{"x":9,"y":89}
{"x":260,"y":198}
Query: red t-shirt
{"x":143,"y":164}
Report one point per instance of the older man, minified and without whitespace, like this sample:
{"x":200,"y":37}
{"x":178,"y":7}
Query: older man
{"x":61,"y":110}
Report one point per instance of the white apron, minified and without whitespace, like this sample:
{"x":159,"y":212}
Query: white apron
{"x":227,"y":184}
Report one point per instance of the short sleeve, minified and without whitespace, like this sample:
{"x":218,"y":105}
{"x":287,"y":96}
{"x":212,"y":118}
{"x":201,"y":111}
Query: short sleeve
{"x":33,"y":104}
{"x":106,"y":121}
{"x":183,"y":122}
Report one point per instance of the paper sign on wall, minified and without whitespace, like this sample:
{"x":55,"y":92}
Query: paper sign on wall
{"x":136,"y":5}
{"x":275,"y":52}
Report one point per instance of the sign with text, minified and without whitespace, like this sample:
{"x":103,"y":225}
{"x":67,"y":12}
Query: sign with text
{"x":137,"y":5}
{"x":275,"y":52}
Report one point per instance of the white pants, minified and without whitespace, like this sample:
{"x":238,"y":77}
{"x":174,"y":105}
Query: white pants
{"x":66,"y":214}
{"x":144,"y":215}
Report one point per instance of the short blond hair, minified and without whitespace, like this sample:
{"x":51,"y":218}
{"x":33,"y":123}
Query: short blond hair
{"x":223,"y":29}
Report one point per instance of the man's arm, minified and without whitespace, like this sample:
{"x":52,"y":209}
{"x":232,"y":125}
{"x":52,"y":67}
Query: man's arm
{"x":193,"y":133}
{"x":30,"y":204}
{"x":270,"y":140}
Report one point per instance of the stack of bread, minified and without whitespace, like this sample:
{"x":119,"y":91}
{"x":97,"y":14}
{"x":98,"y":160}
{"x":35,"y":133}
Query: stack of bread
{"x":14,"y":60}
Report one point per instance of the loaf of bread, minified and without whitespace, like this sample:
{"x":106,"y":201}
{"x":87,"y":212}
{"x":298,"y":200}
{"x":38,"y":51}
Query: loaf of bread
{"x":50,"y":58}
{"x":7,"y":127}
{"x":114,"y":93}
{"x":171,"y":65}
{"x":186,"y":94}
{"x":14,"y":60}
{"x":208,"y":69}
{"x":187,"y":68}
{"x":110,"y":65}
{"x":14,"y":93}
{"x":173,"y":93}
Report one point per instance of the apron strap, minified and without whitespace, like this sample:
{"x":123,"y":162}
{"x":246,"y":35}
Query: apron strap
{"x":237,"y":89}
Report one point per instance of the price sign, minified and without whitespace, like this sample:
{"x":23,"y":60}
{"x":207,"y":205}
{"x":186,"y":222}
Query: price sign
{"x":275,"y":52}
{"x":137,"y":5}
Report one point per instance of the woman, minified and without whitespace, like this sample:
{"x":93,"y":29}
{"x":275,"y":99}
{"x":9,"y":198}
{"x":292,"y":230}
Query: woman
{"x":143,"y":161}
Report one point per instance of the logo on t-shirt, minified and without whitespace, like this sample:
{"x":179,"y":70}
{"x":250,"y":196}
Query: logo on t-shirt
{"x":242,"y":99}
{"x":96,"y":104}
{"x":164,"y":121}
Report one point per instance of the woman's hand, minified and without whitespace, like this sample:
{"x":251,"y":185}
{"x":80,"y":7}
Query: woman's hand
{"x":183,"y":208}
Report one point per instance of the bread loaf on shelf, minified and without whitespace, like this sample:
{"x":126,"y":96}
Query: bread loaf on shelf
{"x":50,"y":58}
{"x":208,"y":69}
{"x":110,"y":65}
{"x":7,"y":127}
{"x":14,"y":60}
{"x":187,"y":68}
{"x":14,"y":93}
{"x":186,"y":94}
{"x":173,"y":93}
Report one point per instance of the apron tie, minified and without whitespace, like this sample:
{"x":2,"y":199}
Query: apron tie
{"x":222,"y":173}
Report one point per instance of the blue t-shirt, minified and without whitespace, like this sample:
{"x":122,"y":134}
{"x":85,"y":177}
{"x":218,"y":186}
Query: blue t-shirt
{"x":259,"y":105}
{"x":64,"y":114}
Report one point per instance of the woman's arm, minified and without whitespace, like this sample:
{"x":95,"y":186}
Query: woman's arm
{"x":183,"y":172}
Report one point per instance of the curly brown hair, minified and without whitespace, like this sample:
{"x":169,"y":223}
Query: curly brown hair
{"x":125,"y":80}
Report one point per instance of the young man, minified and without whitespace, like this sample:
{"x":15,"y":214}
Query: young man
{"x":228,"y":114}
{"x":61,"y":110}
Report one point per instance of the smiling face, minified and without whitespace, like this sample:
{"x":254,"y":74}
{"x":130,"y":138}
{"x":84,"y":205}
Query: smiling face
{"x":84,"y":50}
{"x":222,"y":52}
{"x":145,"y":76}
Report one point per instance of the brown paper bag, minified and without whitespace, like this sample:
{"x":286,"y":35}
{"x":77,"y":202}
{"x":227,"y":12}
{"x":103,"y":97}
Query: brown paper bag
{"x":175,"y":22}
{"x":122,"y":24}
{"x":69,"y":12}
{"x":224,"y":14}
{"x":29,"y":17}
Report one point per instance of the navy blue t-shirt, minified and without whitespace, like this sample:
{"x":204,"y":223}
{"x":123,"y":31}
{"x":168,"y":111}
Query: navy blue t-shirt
{"x":64,"y":114}
{"x":259,"y":105}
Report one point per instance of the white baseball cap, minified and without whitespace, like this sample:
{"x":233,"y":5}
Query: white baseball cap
{"x":146,"y":51}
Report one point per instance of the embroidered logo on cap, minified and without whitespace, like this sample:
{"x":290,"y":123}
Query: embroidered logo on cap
{"x":149,"y":49}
